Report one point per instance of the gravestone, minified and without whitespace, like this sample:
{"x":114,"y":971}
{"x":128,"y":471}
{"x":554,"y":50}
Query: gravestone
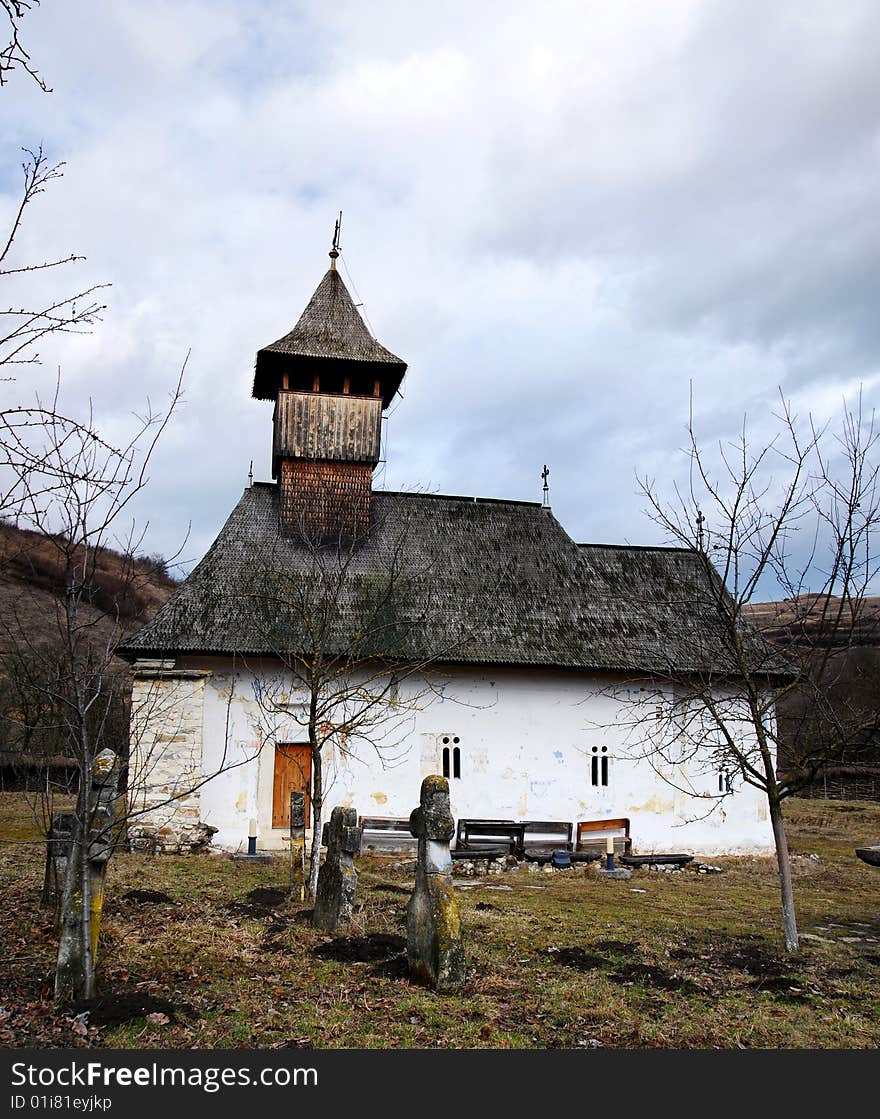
{"x":337,"y":879}
{"x":58,"y":844}
{"x":298,"y":845}
{"x":93,"y":845}
{"x":433,"y":927}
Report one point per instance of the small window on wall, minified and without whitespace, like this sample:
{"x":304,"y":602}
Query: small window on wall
{"x":724,"y":783}
{"x":451,"y":754}
{"x":599,"y":766}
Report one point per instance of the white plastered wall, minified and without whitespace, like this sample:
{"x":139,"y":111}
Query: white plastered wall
{"x":526,"y":740}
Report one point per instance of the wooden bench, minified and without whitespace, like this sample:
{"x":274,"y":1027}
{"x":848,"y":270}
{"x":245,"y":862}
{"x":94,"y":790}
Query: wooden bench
{"x":656,"y":860}
{"x":386,"y":833}
{"x":488,"y":839}
{"x":542,"y":837}
{"x":593,"y":834}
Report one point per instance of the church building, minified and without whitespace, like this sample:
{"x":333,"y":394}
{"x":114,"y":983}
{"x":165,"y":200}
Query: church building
{"x":460,"y":635}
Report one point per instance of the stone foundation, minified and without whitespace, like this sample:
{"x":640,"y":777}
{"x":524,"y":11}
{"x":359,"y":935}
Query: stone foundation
{"x":165,"y":761}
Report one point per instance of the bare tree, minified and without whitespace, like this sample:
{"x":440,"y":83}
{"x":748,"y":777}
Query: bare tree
{"x":71,"y":488}
{"x":354,"y":626}
{"x":14,"y":56}
{"x":24,"y":324}
{"x":797,"y":514}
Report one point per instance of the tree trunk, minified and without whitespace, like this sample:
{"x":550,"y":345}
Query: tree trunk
{"x":786,"y":887}
{"x":317,"y":805}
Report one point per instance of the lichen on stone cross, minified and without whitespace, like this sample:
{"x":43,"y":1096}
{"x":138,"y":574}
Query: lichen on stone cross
{"x":432,"y":824}
{"x":337,"y":879}
{"x":105,"y":778}
{"x":433,"y":927}
{"x":102,"y":767}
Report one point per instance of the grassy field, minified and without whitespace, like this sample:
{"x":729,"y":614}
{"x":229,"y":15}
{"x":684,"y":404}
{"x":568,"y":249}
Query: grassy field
{"x":202,"y":952}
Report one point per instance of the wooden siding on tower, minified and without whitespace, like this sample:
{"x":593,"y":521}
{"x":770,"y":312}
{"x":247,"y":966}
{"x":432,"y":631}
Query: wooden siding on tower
{"x":321,"y":500}
{"x":332,"y":428}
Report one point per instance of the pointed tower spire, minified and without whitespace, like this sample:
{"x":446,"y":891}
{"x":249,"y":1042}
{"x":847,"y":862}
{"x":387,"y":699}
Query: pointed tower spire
{"x":330,"y":381}
{"x":330,"y":341}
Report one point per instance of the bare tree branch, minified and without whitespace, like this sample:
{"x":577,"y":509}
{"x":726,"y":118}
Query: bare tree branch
{"x":14,"y":55}
{"x":22,"y":328}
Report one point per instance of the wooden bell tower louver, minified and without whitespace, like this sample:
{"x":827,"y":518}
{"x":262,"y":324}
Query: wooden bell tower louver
{"x":330,"y":381}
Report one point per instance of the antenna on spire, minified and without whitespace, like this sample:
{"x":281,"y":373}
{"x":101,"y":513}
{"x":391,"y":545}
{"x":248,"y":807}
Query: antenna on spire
{"x":251,"y":474}
{"x":545,"y":474}
{"x":337,"y":233}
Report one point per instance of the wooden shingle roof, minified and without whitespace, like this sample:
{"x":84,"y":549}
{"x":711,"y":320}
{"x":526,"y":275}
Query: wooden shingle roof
{"x":484,"y":582}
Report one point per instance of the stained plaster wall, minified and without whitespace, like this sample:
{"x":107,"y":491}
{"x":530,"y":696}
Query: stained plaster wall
{"x":525,"y":738}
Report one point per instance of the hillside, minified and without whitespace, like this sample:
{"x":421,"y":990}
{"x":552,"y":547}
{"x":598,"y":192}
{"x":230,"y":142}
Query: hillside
{"x":123,"y":593}
{"x":802,"y":621}
{"x":806,"y":628}
{"x":127,"y":591}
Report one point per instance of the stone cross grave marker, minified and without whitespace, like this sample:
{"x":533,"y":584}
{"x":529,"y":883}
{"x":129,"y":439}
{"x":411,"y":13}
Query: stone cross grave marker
{"x":58,"y":844}
{"x":298,"y":845}
{"x":433,"y":927}
{"x":337,"y":879}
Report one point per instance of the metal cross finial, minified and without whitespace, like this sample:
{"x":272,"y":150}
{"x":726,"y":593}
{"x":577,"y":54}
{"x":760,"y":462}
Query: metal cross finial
{"x":545,"y":474}
{"x":251,"y":474}
{"x":337,"y":232}
{"x":701,"y":520}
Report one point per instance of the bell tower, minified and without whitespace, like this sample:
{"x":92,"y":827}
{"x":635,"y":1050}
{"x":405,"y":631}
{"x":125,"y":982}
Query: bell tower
{"x":330,"y":381}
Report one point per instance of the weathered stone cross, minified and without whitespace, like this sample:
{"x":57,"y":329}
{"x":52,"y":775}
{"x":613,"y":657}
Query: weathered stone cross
{"x":433,"y":927}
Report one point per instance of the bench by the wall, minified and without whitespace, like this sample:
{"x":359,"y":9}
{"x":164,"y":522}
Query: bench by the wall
{"x":386,"y":833}
{"x":656,"y":860}
{"x":482,"y":838}
{"x":542,"y":837}
{"x":593,"y":834}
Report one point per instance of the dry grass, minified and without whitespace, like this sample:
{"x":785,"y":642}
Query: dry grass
{"x":565,"y":960}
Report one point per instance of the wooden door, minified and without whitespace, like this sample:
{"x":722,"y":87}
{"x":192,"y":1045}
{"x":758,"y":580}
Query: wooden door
{"x":293,"y":774}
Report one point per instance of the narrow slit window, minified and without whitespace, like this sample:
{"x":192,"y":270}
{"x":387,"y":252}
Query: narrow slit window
{"x":451,"y":755}
{"x":599,"y":767}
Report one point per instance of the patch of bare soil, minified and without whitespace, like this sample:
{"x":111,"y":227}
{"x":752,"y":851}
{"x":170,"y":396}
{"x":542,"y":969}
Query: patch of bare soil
{"x":148,"y":897}
{"x":397,"y":967}
{"x":362,"y":949}
{"x":783,"y":987}
{"x":617,"y":947}
{"x":115,"y":1008}
{"x":649,"y":975}
{"x":755,"y":961}
{"x":576,"y":958}
{"x":261,"y":902}
{"x":624,"y":973}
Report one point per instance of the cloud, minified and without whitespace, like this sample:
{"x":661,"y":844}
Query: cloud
{"x":561,"y":216}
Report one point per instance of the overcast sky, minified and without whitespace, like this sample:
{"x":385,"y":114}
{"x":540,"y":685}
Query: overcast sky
{"x":559,"y":214}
